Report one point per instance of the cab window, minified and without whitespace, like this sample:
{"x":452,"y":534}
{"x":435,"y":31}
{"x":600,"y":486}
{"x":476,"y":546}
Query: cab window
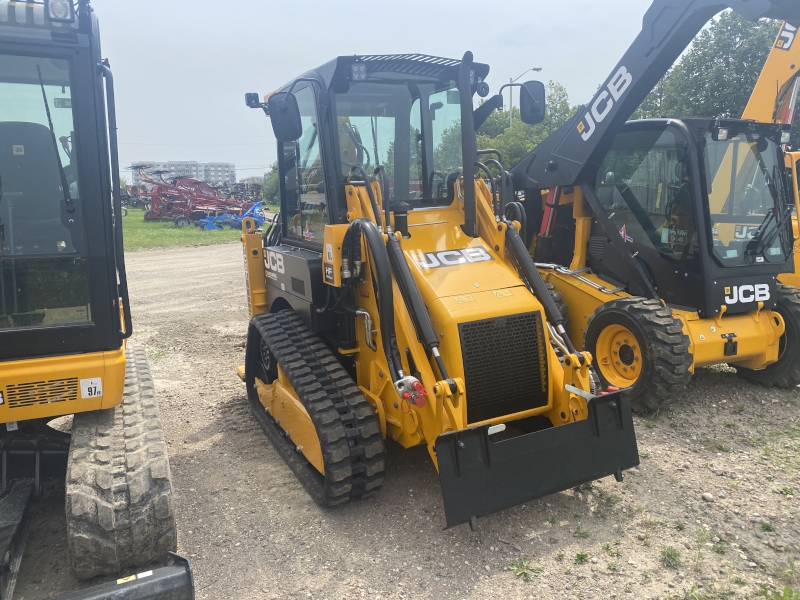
{"x":645,"y":182}
{"x":44,"y":271}
{"x":306,"y":207}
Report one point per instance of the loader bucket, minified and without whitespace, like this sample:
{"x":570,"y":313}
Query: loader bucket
{"x":480,"y":476}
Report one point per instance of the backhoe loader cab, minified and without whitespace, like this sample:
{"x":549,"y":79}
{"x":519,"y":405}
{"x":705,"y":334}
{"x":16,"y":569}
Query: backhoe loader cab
{"x":64,"y":311}
{"x":394,"y":299}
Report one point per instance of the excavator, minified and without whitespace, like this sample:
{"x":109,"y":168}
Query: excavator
{"x":394,"y":299}
{"x":65,"y":317}
{"x":774,"y":99}
{"x":666,"y":237}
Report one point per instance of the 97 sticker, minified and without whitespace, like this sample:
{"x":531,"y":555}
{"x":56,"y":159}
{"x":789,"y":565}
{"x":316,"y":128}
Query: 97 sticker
{"x":92,"y":388}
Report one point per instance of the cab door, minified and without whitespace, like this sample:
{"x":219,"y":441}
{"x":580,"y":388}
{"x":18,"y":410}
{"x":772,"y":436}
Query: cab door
{"x":58,"y":290}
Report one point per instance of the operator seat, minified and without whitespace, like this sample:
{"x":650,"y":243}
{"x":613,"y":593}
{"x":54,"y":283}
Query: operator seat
{"x":32,"y":199}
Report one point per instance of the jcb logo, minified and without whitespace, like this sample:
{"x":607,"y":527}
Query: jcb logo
{"x":744,"y":232}
{"x":786,"y":37}
{"x":602,"y":105}
{"x":274,"y":262}
{"x":746,"y":293}
{"x":451,"y":258}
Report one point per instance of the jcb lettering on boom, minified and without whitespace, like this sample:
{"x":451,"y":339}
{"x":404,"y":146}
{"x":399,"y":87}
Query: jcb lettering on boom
{"x":603,"y":104}
{"x":786,"y":37}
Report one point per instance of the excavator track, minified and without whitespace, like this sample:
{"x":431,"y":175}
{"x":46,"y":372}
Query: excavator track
{"x":346,"y":425}
{"x":118,"y":486}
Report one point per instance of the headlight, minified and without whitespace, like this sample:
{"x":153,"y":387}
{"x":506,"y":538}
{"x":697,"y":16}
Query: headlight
{"x":786,"y":137}
{"x":60,"y":11}
{"x":722,"y":134}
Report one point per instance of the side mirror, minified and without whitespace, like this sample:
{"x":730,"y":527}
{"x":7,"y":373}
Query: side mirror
{"x":285,"y":117}
{"x":252,"y":100}
{"x":532,"y":99}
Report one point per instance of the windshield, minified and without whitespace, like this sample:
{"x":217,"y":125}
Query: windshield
{"x":747,"y":199}
{"x":411,"y":128}
{"x":43,"y":267}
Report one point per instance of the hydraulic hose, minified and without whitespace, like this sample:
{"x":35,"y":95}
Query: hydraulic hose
{"x":532,"y":277}
{"x":360,"y":170}
{"x":383,"y":275}
{"x":416,"y":307}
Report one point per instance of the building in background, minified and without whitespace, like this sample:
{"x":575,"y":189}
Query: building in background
{"x":215,"y":173}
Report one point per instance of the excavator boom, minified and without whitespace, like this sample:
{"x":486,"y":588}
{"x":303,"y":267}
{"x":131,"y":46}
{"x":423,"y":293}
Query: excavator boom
{"x":668,"y":28}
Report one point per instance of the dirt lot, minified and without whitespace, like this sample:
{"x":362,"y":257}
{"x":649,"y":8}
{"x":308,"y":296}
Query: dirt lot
{"x":252,"y":532}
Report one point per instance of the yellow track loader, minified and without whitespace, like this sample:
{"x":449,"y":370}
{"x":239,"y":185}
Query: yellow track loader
{"x":666,"y":237}
{"x":774,"y":99}
{"x":395,"y":299}
{"x":65,"y":316}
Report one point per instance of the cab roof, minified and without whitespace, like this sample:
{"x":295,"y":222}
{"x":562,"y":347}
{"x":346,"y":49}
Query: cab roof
{"x":413,"y":65}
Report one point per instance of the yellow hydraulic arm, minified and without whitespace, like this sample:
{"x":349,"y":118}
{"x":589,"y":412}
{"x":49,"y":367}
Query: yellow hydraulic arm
{"x":773,"y":99}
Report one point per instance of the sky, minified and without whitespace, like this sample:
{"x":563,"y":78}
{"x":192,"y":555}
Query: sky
{"x":181,"y":68}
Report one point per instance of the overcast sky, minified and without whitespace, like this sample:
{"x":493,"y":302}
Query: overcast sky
{"x":181,"y":67}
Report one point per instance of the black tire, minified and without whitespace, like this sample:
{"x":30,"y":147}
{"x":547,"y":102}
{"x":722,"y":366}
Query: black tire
{"x":148,"y":215}
{"x":347,"y":428}
{"x":785,"y":373}
{"x":181,"y":221}
{"x":118,"y":487}
{"x":663,"y":350}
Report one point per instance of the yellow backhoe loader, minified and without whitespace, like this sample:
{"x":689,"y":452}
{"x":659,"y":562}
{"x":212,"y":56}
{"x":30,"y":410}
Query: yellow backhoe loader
{"x":666,"y":237}
{"x":65,"y":316}
{"x":395,"y":299}
{"x":774,"y":99}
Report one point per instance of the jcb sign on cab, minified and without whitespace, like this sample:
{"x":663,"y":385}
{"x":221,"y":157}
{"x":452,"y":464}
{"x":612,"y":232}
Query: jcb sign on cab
{"x":747,"y":293}
{"x":273,"y":261}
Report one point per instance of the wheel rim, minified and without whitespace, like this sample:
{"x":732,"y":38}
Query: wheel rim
{"x":619,"y":356}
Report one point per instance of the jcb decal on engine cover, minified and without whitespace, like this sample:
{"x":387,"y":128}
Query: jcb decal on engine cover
{"x":786,"y":37}
{"x":744,"y":232}
{"x":450,"y":258}
{"x":747,"y":293}
{"x":601,"y":106}
{"x":273,"y":261}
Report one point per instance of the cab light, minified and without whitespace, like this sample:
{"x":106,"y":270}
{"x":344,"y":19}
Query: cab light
{"x":722,"y":134}
{"x":60,"y":11}
{"x":786,"y":137}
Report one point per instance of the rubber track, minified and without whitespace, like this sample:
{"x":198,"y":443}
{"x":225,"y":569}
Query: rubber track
{"x":668,"y":345}
{"x":119,"y":488}
{"x":348,"y":430}
{"x":786,"y":372}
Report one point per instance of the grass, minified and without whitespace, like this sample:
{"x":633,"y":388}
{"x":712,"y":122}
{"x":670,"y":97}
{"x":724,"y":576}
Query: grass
{"x":560,"y":556}
{"x":523,"y":568}
{"x":787,"y":491}
{"x":670,"y":557}
{"x":580,"y":533}
{"x":680,"y":526}
{"x":786,"y":594}
{"x":139,"y":234}
{"x":581,"y":558}
{"x":738,"y":410}
{"x":767,"y":527}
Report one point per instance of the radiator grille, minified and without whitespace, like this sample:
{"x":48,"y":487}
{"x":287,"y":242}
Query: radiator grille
{"x":41,"y":392}
{"x":505,"y":365}
{"x":298,"y":286}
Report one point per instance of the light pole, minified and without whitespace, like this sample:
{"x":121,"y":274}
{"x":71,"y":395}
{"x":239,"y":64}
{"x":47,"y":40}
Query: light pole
{"x":511,"y":93}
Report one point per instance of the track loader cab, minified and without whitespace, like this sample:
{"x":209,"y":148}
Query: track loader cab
{"x":393,"y":299}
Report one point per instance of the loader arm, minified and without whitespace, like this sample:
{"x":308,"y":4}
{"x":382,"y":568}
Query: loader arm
{"x":668,"y":28}
{"x":775,"y":93}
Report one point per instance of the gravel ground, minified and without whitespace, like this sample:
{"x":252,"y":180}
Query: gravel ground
{"x":711,"y":513}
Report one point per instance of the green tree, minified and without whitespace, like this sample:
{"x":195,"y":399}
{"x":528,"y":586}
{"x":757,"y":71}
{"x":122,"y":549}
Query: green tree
{"x":516,"y":140}
{"x":716,"y":76}
{"x":270,"y":190}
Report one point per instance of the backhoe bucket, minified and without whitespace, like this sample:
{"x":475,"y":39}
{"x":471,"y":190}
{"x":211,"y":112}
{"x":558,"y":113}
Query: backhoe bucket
{"x":480,"y":476}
